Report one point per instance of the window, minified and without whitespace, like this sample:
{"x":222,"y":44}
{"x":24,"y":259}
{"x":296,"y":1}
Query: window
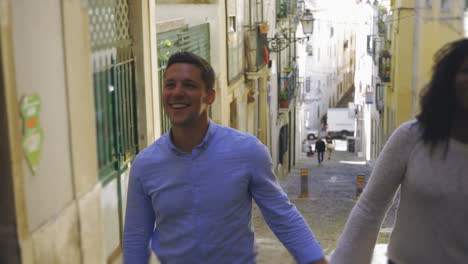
{"x":231,"y":12}
{"x":232,"y":24}
{"x":429,"y":3}
{"x":258,"y":11}
{"x":370,"y":44}
{"x":331,"y":32}
{"x":445,"y":5}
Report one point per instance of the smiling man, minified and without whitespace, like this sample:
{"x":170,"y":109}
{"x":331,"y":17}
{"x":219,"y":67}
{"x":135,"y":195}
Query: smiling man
{"x":190,"y":193}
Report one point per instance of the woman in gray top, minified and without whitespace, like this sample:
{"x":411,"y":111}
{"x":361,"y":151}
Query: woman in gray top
{"x":428,"y":160}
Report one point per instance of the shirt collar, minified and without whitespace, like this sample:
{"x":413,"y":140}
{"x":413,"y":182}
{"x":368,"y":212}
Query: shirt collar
{"x":210,"y":132}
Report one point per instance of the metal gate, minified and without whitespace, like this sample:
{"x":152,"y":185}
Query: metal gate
{"x":194,"y":39}
{"x":115,"y":105}
{"x":114,"y":86}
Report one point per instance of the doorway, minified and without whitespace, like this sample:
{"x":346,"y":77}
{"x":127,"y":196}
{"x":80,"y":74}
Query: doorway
{"x":9,"y":245}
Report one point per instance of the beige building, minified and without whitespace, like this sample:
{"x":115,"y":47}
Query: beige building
{"x":234,"y":44}
{"x":78,"y":74}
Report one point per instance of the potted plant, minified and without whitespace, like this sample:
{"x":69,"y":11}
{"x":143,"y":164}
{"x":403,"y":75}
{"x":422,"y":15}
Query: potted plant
{"x":282,"y":12}
{"x":263,"y":27}
{"x":381,"y":26}
{"x":283,"y":99}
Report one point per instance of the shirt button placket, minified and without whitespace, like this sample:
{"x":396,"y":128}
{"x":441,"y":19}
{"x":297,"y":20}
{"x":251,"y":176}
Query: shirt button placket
{"x":196,"y":197}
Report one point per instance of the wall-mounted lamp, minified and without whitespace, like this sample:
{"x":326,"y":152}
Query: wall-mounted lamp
{"x":307,"y":22}
{"x":279,"y":43}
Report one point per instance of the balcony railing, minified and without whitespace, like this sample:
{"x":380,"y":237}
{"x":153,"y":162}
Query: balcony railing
{"x":385,"y":66}
{"x":290,"y":83}
{"x":262,"y":49}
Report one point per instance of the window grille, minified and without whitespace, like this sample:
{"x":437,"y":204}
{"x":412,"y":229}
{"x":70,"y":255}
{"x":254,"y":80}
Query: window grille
{"x":114,"y":86}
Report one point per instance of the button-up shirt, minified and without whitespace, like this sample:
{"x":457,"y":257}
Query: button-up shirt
{"x":196,"y":207}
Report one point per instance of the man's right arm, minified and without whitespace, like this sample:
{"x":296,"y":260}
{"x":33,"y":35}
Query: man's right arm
{"x":139,"y":221}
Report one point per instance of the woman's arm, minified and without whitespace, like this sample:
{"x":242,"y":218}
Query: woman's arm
{"x":357,"y":242}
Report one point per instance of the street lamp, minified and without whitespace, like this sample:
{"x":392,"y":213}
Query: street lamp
{"x":307,"y":22}
{"x":281,"y":41}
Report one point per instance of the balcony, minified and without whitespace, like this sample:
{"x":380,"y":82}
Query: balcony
{"x":286,"y":8}
{"x":385,"y":60}
{"x":288,"y":93}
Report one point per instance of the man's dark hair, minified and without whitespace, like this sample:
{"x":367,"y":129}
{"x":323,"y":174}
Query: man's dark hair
{"x":207,"y":72}
{"x":438,"y":100}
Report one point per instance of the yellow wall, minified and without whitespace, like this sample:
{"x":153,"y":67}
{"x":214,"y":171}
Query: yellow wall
{"x":424,"y":32}
{"x":398,"y":98}
{"x":437,"y":28}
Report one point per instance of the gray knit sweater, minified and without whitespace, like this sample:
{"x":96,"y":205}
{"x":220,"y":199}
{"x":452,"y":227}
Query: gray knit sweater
{"x":432,"y":218}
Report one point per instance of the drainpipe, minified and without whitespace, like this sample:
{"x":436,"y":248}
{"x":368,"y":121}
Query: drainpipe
{"x":415,"y":59}
{"x":250,"y":14}
{"x":263,"y":20}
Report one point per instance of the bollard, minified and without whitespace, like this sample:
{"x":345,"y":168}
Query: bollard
{"x":361,"y":182}
{"x":304,"y":183}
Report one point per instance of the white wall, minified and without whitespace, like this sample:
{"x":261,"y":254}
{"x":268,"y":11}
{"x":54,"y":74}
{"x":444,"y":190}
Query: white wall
{"x":39,"y":65}
{"x":329,"y":62}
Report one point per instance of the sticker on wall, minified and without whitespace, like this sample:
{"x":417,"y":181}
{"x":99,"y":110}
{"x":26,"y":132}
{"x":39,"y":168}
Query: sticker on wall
{"x":33,"y":134}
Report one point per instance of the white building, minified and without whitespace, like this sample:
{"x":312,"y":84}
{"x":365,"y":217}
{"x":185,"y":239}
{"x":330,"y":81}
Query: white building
{"x":329,"y":63}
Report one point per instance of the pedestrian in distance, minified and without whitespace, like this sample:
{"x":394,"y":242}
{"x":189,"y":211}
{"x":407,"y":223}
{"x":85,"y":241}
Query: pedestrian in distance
{"x":330,"y":146}
{"x":320,"y":148}
{"x":305,"y":145}
{"x":427,"y":159}
{"x":310,"y":153}
{"x":190,"y":193}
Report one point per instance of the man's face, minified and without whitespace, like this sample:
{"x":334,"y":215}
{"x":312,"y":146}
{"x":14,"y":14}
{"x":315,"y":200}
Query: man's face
{"x":185,"y":98}
{"x":461,"y":86}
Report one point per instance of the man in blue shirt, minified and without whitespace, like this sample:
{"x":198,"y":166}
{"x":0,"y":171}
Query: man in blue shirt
{"x":190,"y":192}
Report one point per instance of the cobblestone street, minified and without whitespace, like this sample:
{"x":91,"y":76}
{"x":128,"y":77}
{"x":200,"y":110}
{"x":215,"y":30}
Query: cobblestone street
{"x":332,"y":188}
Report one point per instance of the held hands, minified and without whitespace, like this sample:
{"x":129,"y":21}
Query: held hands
{"x":320,"y":261}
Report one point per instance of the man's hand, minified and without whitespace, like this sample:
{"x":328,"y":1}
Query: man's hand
{"x":320,"y":261}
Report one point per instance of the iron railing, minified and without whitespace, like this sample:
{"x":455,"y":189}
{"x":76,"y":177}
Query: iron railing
{"x":262,"y":49}
{"x":115,"y":102}
{"x":114,"y":86}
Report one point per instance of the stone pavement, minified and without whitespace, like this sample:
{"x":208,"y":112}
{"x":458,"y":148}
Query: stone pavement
{"x":332,"y":189}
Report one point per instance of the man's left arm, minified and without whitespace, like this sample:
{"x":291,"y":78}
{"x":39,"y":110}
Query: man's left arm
{"x":280,"y":214}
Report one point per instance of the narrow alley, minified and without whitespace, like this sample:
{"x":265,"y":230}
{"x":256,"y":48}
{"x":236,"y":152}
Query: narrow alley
{"x":332,"y":189}
{"x":109,"y":111}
